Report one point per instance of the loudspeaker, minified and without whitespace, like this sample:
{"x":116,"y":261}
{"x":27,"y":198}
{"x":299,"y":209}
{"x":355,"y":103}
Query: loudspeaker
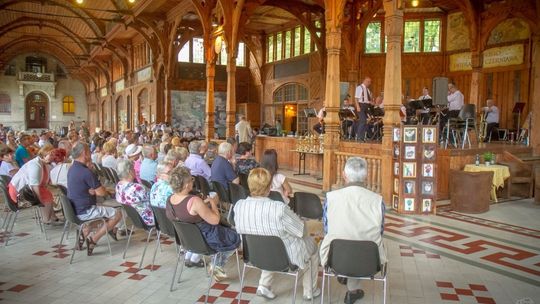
{"x":440,"y":91}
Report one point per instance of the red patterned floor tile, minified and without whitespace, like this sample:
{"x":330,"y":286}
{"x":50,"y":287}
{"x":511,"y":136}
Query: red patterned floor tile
{"x":235,"y":301}
{"x":220,"y":286}
{"x":211,"y":299}
{"x":155,"y":267}
{"x":167,"y":242}
{"x":40,"y":253}
{"x":137,"y":277}
{"x":404,"y":247}
{"x":433,"y":256}
{"x":464,"y":292}
{"x":128,"y":264}
{"x":18,"y":288}
{"x":485,"y":300}
{"x":229,"y":294}
{"x":61,"y":255}
{"x":111,"y":273}
{"x":445,"y":284}
{"x":406,"y":254}
{"x":419,"y":251}
{"x":249,"y":289}
{"x":478,"y":287}
{"x":449,"y":297}
{"x":132,"y":270}
{"x":58,"y":246}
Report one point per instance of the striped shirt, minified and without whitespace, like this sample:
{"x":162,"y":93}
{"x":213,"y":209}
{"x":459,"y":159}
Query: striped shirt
{"x":263,"y":216}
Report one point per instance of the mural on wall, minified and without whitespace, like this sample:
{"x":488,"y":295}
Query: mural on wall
{"x":457,"y":37}
{"x":509,"y":30}
{"x":188,"y":110}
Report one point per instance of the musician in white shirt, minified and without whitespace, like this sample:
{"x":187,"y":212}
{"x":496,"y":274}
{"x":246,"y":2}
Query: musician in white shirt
{"x":456,"y":100}
{"x":363,"y":100}
{"x":492,"y":118}
{"x":347,"y":123}
{"x":424,"y":113}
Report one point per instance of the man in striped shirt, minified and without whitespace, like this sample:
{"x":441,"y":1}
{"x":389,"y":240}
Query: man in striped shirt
{"x":259,"y":215}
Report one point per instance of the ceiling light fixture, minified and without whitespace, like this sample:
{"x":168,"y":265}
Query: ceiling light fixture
{"x":79,"y":1}
{"x":415,"y":3}
{"x":131,"y":1}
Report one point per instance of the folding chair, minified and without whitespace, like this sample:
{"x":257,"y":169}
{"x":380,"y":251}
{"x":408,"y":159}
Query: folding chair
{"x":138,"y":222}
{"x":308,"y":205}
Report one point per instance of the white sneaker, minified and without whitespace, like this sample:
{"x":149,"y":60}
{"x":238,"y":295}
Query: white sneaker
{"x":316,"y":294}
{"x":218,"y":273}
{"x":265,"y":293}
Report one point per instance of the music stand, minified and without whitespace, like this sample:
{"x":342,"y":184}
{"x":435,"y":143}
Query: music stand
{"x":310,"y":112}
{"x":518,"y":109}
{"x":346,"y":114}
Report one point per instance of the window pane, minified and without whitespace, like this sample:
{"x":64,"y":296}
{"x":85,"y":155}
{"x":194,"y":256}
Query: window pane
{"x":183,"y":55}
{"x":411,"y":36}
{"x":290,"y":92}
{"x":432,"y":36}
{"x":241,"y":57}
{"x":307,"y":41}
{"x":198,"y":50}
{"x":278,"y":46}
{"x":287,"y":44}
{"x":72,"y":108}
{"x":373,"y":38}
{"x":297,"y":41}
{"x":318,"y":25}
{"x":270,"y":44}
{"x":66,"y":107}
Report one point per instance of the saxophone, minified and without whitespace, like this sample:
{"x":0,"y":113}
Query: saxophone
{"x":482,"y":127}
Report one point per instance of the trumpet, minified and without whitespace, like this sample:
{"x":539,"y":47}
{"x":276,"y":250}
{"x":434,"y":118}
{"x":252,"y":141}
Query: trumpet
{"x":482,"y":127}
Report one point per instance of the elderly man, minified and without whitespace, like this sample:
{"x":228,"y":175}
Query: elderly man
{"x":83,"y":187}
{"x":195,"y":162}
{"x":260,"y":215}
{"x":456,"y":100}
{"x":243,"y":130}
{"x":149,"y":163}
{"x":363,"y":100}
{"x":353,"y":213}
{"x":492,"y":119}
{"x":222,"y":170}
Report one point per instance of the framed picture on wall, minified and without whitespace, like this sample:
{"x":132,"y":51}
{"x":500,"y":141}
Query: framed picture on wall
{"x":426,"y":205}
{"x":395,"y":201}
{"x":409,"y":135}
{"x":396,"y":134}
{"x":396,"y":185}
{"x":429,"y":153}
{"x":409,"y":204}
{"x":409,"y":187}
{"x":410,"y":152}
{"x":396,"y":168}
{"x":396,"y":151}
{"x":427,"y":187}
{"x":427,"y":170}
{"x":409,"y":169}
{"x":428,"y":136}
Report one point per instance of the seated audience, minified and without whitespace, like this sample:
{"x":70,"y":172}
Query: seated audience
{"x":10,"y":140}
{"x":177,"y":156}
{"x":279,"y":181}
{"x":83,"y":187}
{"x":8,"y":166}
{"x":184,"y":207}
{"x":22,"y":153}
{"x":222,"y":170}
{"x":128,"y":192}
{"x":195,"y":162}
{"x":109,"y":157}
{"x":60,"y":171}
{"x":245,"y":162}
{"x":133,"y":153}
{"x":35,"y":173}
{"x":353,"y":213}
{"x":211,"y":153}
{"x":149,"y":163}
{"x":161,"y":189}
{"x":260,"y":215}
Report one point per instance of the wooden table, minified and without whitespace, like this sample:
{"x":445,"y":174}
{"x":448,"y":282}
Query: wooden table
{"x":500,"y":174}
{"x":302,"y":162}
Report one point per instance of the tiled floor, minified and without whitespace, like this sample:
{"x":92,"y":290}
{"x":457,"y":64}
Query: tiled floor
{"x":449,"y":258}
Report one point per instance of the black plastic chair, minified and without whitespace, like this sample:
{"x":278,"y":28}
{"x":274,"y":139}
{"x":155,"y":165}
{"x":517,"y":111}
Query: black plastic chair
{"x":237,"y":192}
{"x":221,"y":191}
{"x":5,"y":179}
{"x":138,"y":222}
{"x":244,"y":180}
{"x":146,"y":184}
{"x":308,"y":205}
{"x":354,"y":260}
{"x":204,"y":186}
{"x":268,"y":253}
{"x":276,"y":196}
{"x":71,"y":218}
{"x":163,"y":226}
{"x":11,"y":214}
{"x":193,"y":241}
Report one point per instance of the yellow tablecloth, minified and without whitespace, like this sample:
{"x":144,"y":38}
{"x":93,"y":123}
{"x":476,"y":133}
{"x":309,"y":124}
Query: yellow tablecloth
{"x":500,"y":174}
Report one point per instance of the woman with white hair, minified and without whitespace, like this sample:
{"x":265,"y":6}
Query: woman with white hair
{"x":131,"y":193}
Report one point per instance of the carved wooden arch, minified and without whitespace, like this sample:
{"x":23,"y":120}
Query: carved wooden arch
{"x":204,"y":10}
{"x":173,"y":56}
{"x":297,"y":83}
{"x":139,"y":28}
{"x":55,"y":45}
{"x":144,"y":21}
{"x":124,"y":58}
{"x":96,"y":25}
{"x":106,"y":72}
{"x":91,"y":78}
{"x":489,"y":27}
{"x":56,"y":25}
{"x":471,"y":18}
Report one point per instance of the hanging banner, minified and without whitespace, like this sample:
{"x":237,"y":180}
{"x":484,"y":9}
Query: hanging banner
{"x":460,"y":62}
{"x":503,"y":56}
{"x":144,"y":74}
{"x":103,"y":91}
{"x":119,"y":86}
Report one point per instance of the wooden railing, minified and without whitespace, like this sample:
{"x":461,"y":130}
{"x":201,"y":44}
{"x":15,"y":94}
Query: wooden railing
{"x":374,"y":177}
{"x":31,"y":76}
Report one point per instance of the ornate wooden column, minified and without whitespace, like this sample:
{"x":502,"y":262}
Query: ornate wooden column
{"x":334,"y":20}
{"x":209,"y":125}
{"x":231,"y":93}
{"x":535,"y":93}
{"x":475,"y":96}
{"x":393,"y":22}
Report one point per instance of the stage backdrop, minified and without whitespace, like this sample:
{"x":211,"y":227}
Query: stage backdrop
{"x":189,"y":107}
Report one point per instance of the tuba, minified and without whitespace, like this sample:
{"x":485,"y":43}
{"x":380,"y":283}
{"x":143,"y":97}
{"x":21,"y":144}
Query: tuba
{"x":482,"y":127}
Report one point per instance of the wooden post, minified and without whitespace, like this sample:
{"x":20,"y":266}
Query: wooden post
{"x":475,"y":96}
{"x":231,"y":93}
{"x":392,"y":90}
{"x":209,"y":126}
{"x":334,"y":20}
{"x":535,"y":94}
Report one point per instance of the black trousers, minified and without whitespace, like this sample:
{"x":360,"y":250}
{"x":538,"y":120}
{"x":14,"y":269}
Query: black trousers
{"x":362,"y":121}
{"x":493,"y":126}
{"x":444,"y":120}
{"x":345,"y":126}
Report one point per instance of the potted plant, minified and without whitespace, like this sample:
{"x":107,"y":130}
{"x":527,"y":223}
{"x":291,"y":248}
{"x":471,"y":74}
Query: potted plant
{"x":488,"y":156}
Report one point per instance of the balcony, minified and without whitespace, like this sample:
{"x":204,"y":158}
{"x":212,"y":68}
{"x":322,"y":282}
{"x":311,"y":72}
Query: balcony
{"x":36,"y":77}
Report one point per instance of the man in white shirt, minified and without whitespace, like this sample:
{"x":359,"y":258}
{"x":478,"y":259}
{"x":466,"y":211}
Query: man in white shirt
{"x":243,"y":130}
{"x":363,"y":100}
{"x":456,"y":100}
{"x":347,"y":123}
{"x":424,"y":113}
{"x":492,"y":118}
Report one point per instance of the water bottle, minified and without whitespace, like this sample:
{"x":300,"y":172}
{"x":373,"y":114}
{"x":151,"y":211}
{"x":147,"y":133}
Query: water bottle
{"x":477,"y":162}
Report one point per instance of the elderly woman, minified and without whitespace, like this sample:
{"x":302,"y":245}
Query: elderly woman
{"x":108,"y":159}
{"x":279,"y":181}
{"x":131,"y":193}
{"x":35,"y":173}
{"x":260,"y":215}
{"x":182,"y":206}
{"x":177,"y":156}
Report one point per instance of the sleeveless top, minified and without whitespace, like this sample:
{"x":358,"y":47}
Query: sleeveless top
{"x":179,"y":212}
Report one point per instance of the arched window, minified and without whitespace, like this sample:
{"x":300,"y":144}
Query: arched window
{"x":5,"y":103}
{"x":69,"y":105}
{"x":290,"y":100}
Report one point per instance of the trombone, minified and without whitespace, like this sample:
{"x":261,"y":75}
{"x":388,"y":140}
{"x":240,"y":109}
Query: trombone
{"x":482,"y":126}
